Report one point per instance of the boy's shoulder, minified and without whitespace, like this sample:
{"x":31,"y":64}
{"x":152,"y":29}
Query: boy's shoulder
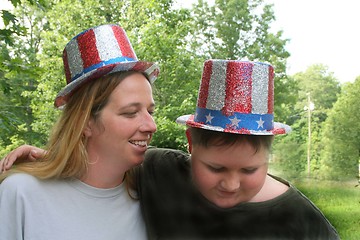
{"x":273,"y":187}
{"x":160,"y":154}
{"x":164,"y":160}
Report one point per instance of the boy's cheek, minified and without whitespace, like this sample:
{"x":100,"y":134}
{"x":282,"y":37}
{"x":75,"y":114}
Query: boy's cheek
{"x":204,"y":179}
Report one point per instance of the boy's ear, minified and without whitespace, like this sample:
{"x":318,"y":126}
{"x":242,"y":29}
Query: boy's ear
{"x":188,"y":136}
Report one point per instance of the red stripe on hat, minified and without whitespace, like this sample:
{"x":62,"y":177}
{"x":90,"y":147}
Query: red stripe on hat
{"x":88,"y":50}
{"x":239,"y":88}
{"x":140,"y":66}
{"x":205,"y":81}
{"x":66,"y":67}
{"x":271,"y":90}
{"x":123,"y":42}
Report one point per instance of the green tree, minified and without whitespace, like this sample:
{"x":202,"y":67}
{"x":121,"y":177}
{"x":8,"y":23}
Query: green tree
{"x":65,"y":20}
{"x":322,"y":86}
{"x":319,"y":86}
{"x":240,"y":29}
{"x":341,"y":139}
{"x":154,"y":36}
{"x":164,"y":38}
{"x":159,"y":31}
{"x":19,"y":70}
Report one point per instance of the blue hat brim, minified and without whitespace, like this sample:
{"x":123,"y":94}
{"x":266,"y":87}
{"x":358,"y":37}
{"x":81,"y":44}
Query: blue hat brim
{"x":279,"y":128}
{"x":150,"y":69}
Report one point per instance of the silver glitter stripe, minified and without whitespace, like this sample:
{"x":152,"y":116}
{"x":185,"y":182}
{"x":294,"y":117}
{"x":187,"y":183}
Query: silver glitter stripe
{"x":74,"y":58}
{"x":106,"y":43}
{"x":260,"y":90}
{"x":217,"y":86}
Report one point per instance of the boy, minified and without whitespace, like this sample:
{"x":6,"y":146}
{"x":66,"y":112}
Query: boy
{"x":223,"y":189}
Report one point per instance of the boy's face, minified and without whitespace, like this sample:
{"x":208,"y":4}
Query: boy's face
{"x":227,"y":176}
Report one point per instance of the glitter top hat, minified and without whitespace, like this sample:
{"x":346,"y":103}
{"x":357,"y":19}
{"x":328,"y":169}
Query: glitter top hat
{"x":97,"y":52}
{"x":236,"y":97}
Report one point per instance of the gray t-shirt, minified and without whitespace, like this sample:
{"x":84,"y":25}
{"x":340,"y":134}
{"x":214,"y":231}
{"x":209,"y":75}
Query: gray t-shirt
{"x":32,"y":209}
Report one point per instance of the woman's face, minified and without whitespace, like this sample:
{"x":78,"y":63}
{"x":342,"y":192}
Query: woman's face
{"x":125,"y":126}
{"x":227,"y":176}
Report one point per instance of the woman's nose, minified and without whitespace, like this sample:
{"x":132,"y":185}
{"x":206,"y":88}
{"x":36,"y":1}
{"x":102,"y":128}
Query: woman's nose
{"x":149,"y":124}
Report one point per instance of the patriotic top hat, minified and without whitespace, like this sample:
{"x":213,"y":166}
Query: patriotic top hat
{"x":236,"y":97}
{"x":97,"y":52}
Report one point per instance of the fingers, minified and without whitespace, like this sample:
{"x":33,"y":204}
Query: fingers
{"x":24,"y":153}
{"x":2,"y":165}
{"x":5,"y":164}
{"x":32,"y":156}
{"x":36,"y":153}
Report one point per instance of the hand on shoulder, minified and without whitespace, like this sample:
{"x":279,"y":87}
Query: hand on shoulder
{"x":24,"y":153}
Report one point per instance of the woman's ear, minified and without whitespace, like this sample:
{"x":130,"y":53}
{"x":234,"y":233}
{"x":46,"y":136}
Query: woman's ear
{"x":87,"y":130}
{"x":188,"y":136}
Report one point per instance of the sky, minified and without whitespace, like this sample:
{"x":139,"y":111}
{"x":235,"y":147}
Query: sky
{"x":320,"y":32}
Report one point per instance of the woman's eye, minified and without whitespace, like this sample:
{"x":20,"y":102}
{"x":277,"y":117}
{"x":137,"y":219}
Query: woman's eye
{"x":129,"y":114}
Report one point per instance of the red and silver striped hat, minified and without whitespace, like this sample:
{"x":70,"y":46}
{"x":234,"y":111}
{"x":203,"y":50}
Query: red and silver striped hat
{"x":97,"y":52}
{"x":236,"y":97}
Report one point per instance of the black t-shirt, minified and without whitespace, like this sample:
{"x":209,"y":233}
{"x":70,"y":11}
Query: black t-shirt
{"x":174,"y":209}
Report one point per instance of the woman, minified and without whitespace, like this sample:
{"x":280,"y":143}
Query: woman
{"x":79,"y":189}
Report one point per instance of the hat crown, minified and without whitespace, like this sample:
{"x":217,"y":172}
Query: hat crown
{"x":232,"y":86}
{"x":95,"y":47}
{"x":97,"y":52}
{"x":237,"y":97}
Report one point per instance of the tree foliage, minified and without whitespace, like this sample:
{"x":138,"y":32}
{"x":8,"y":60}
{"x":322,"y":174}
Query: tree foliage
{"x":341,"y":155}
{"x":240,"y":29}
{"x":178,"y":39}
{"x":319,"y":86}
{"x":31,"y":73}
{"x":19,"y":71}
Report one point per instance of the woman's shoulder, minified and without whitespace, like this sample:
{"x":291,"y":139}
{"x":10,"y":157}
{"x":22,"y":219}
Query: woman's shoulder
{"x":19,"y":185}
{"x":19,"y":179}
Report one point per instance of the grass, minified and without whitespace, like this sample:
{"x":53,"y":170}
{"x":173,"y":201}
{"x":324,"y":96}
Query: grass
{"x":340,"y":203}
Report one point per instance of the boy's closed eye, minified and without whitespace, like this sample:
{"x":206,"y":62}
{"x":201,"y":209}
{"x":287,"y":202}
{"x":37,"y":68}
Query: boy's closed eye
{"x":215,"y":169}
{"x":249,"y":170}
{"x":223,"y":169}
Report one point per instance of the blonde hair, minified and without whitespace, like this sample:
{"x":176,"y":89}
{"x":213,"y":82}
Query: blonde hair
{"x":66,"y":150}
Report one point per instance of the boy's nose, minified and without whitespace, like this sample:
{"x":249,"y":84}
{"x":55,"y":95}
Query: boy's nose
{"x":230,"y":184}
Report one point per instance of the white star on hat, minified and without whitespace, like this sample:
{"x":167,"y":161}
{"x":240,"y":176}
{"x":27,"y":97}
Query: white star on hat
{"x":235,"y":122}
{"x":209,"y":118}
{"x":260,"y":123}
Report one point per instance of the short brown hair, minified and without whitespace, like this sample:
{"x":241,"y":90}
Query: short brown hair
{"x":208,"y":138}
